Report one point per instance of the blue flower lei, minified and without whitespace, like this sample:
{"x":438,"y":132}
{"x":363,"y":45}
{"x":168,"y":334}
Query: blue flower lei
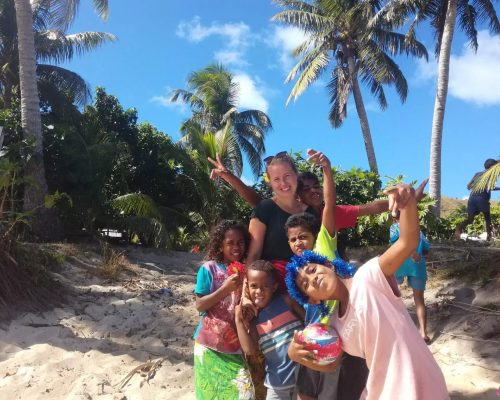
{"x":342,"y":269}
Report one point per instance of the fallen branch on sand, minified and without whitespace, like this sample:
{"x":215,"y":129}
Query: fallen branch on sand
{"x":147,"y":370}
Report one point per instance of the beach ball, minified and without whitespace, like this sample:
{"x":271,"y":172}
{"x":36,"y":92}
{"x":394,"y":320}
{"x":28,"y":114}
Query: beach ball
{"x":323,"y":339}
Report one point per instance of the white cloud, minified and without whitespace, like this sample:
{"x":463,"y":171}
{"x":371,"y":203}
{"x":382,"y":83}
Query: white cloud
{"x":165,"y":101}
{"x":237,"y":37}
{"x":251,"y":93}
{"x":474,"y":77}
{"x":426,"y":70}
{"x":227,"y":57}
{"x":286,"y":39}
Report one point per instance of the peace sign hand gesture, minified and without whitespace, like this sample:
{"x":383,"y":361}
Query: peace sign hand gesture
{"x":219,"y":167}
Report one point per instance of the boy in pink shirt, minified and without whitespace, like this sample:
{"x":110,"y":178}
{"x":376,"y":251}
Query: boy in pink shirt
{"x":371,"y":318}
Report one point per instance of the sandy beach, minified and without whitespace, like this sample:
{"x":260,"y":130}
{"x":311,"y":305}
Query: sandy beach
{"x":131,"y":338}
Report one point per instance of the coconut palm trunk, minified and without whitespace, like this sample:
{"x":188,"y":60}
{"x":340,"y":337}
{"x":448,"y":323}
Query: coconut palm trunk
{"x":363,"y":118}
{"x":440,"y":105}
{"x":44,"y":224}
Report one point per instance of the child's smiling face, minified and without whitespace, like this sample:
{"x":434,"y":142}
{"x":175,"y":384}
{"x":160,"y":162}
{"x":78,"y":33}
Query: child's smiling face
{"x":261,"y":287}
{"x":300,"y":239}
{"x":318,"y":282}
{"x":233,"y":246}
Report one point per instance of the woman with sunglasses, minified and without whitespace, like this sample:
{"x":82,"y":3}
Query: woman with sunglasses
{"x":268,"y":240}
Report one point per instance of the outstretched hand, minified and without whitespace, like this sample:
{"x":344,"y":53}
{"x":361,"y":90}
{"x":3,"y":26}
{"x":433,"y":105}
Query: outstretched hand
{"x":318,"y":158}
{"x":419,"y":191}
{"x":219,"y":167}
{"x":399,"y":196}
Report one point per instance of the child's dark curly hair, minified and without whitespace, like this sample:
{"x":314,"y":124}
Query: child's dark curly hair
{"x":264,"y":266}
{"x":304,"y":220}
{"x":306,"y":176}
{"x":217,"y":237}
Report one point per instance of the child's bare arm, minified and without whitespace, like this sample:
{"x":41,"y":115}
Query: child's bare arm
{"x":246,"y":336}
{"x":328,"y":217}
{"x":204,"y":303}
{"x":401,"y":197}
{"x":257,"y":232}
{"x":246,"y":192}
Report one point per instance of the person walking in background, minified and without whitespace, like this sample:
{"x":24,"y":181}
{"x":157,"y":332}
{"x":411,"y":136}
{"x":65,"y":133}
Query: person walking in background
{"x":415,"y":271}
{"x":479,"y":202}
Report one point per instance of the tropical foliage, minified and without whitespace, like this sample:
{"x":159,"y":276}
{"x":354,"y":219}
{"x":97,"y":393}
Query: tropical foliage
{"x":344,"y":32}
{"x":213,"y":96}
{"x":52,"y":46}
{"x":443,"y":15}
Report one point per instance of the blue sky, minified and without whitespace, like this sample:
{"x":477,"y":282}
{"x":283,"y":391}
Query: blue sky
{"x":161,"y":42}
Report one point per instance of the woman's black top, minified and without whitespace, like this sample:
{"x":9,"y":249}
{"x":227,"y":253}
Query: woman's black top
{"x":275,"y":245}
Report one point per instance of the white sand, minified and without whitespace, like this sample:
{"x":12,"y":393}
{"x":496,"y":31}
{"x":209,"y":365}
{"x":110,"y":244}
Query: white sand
{"x":83,"y":349}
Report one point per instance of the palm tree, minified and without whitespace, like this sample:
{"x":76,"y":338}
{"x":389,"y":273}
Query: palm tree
{"x":213,"y":96}
{"x":443,"y":16}
{"x":51,"y":45}
{"x":44,"y":224}
{"x":342,"y":31}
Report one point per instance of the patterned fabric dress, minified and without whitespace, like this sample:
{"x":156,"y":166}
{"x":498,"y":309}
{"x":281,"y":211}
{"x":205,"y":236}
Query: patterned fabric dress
{"x":220,"y":371}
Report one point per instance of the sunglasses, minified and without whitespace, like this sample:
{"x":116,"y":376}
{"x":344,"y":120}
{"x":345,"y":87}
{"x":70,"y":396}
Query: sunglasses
{"x":281,"y":154}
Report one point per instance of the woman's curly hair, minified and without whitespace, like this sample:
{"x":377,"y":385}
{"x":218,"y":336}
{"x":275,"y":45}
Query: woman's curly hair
{"x":217,"y":237}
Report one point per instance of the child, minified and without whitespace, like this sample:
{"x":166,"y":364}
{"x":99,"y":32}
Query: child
{"x":306,"y":233}
{"x":370,"y":319}
{"x":220,"y":371}
{"x":272,"y":329}
{"x":414,"y":269}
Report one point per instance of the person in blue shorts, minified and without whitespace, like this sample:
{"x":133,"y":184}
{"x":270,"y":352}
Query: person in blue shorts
{"x":479,"y":202}
{"x":415,"y":271}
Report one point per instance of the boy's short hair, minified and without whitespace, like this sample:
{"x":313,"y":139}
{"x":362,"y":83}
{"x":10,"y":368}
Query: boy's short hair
{"x":264,"y":266}
{"x":304,"y":220}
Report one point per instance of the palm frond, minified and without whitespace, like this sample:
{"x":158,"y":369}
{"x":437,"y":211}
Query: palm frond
{"x":65,"y":81}
{"x":339,"y":88}
{"x":487,"y":180}
{"x":254,"y":117}
{"x":467,"y":22}
{"x":136,"y":204}
{"x":64,"y":11}
{"x":485,"y":12}
{"x":229,"y":151}
{"x":398,"y":43}
{"x":311,"y":66}
{"x":307,"y":21}
{"x":378,"y":67}
{"x":253,"y":157}
{"x":252,"y":133}
{"x":53,"y":45}
{"x":438,"y":22}
{"x":151,"y":231}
